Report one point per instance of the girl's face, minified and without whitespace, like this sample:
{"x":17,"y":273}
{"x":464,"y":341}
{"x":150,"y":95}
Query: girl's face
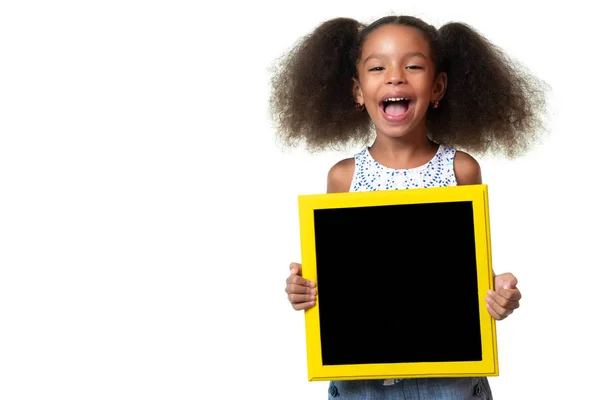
{"x":396,"y":80}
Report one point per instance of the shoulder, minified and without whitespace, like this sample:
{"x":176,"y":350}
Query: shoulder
{"x":466,"y":169}
{"x":339,"y":177}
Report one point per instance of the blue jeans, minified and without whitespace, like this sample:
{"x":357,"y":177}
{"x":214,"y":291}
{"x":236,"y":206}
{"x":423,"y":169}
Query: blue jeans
{"x":414,"y":389}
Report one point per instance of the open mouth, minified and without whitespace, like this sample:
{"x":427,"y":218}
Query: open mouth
{"x":396,"y":106}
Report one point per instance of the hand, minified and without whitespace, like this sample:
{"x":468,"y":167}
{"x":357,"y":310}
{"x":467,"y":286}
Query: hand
{"x":502,"y":301}
{"x":301,"y":292}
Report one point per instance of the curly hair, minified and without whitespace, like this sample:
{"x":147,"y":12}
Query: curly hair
{"x":492,"y":103}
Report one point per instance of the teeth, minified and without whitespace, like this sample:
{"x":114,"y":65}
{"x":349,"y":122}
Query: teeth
{"x":397,"y":99}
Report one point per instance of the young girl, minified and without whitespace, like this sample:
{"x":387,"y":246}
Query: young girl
{"x":426,"y":92}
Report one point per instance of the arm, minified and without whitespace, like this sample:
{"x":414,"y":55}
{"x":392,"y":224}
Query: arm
{"x":504,"y":299}
{"x":340,"y":176}
{"x":466,"y":169}
{"x":301,"y":292}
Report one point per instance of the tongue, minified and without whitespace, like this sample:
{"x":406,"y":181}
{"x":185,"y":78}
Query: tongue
{"x":396,"y":108}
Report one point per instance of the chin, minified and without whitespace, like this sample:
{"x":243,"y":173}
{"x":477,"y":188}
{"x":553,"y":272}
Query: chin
{"x":399,"y":129}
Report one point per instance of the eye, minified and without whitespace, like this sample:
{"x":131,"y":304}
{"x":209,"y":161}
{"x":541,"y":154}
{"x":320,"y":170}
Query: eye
{"x":376,"y":69}
{"x":414,"y":67}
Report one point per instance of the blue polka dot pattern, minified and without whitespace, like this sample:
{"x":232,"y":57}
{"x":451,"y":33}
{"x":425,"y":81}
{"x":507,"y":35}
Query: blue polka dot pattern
{"x":369,"y":175}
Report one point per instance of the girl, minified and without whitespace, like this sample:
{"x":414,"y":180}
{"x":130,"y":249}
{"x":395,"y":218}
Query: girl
{"x":425,"y":92}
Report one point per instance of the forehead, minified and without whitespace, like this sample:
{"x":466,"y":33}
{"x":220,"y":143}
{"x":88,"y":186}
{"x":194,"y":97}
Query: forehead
{"x":394,"y":40}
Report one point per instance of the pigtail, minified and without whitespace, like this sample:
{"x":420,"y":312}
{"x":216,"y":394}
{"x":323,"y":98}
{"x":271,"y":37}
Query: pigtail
{"x":311,"y":98}
{"x":491,"y":102}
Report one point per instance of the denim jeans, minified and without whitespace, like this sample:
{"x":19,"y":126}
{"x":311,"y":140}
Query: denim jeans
{"x":414,"y":389}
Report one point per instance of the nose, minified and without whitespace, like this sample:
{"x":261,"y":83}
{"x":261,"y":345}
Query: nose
{"x":395,"y":76}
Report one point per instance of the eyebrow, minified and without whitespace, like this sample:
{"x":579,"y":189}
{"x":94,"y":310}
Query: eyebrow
{"x":407,"y":55}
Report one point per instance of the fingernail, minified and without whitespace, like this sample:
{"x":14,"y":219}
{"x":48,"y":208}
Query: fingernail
{"x":506,"y":286}
{"x":313,"y":292}
{"x":490,"y":292}
{"x":488,"y":299}
{"x":312,"y":298}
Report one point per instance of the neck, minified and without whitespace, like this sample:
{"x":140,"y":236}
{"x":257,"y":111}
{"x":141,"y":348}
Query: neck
{"x":403,"y":152}
{"x":411,"y":141}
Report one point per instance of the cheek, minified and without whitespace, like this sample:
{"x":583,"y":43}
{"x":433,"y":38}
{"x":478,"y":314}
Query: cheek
{"x":425,"y":88}
{"x":370,"y":91}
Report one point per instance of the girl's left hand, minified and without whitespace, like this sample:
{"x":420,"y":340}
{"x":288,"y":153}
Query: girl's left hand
{"x":502,"y":301}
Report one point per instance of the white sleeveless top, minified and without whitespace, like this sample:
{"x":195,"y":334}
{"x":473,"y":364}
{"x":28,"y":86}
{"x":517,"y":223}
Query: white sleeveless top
{"x":369,"y":175}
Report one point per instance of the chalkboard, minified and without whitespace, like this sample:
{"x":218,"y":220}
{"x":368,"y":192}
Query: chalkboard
{"x":401,"y":279}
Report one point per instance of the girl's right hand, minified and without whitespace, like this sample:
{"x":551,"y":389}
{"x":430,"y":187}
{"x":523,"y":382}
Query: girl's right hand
{"x":301,"y":292}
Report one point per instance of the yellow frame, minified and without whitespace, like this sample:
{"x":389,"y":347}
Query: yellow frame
{"x":478,"y":195}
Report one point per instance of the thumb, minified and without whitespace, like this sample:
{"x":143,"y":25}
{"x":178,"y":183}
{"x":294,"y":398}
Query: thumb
{"x":296,"y":269}
{"x":507,"y":281}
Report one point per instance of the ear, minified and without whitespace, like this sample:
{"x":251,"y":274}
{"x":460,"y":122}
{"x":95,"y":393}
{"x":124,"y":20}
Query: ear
{"x":357,"y":92}
{"x":439,"y":86}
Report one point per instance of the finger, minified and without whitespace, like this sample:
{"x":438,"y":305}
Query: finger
{"x":509,"y":294}
{"x":500,"y":311}
{"x":505,"y":302}
{"x":296,"y":270}
{"x":493,"y":313}
{"x":295,"y":280}
{"x":300,"y":298}
{"x":300,"y":289}
{"x":298,"y":280}
{"x":303,"y":306}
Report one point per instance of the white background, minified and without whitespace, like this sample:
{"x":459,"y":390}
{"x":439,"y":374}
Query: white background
{"x":147,"y":218}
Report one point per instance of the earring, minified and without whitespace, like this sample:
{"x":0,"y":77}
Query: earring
{"x":359,"y":107}
{"x":436,"y":103}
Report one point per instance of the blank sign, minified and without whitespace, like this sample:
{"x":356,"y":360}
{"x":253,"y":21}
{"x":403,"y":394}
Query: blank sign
{"x":402,"y":278}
